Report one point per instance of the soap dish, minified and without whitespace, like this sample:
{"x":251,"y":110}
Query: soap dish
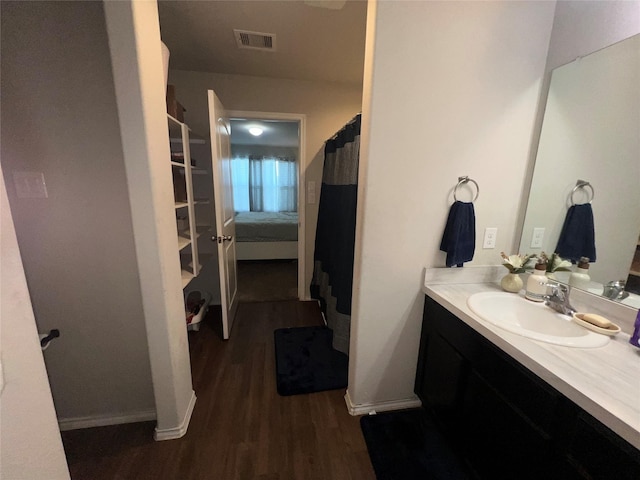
{"x":611,"y":330}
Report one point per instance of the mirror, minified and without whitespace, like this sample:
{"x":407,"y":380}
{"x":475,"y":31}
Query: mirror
{"x":590,"y":132}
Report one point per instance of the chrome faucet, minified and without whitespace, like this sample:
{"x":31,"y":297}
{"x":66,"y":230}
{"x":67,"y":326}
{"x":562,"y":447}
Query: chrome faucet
{"x":615,"y":290}
{"x":558,"y":299}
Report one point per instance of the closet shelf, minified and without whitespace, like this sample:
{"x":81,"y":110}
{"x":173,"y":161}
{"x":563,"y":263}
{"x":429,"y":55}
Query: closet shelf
{"x":175,"y":132}
{"x":183,"y":242}
{"x":192,"y":141}
{"x":182,"y":163}
{"x":186,"y":277}
{"x":186,"y":234}
{"x":190,"y":265}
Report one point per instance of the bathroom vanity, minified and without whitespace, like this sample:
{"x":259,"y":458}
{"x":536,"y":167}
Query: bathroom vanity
{"x":517,"y":408}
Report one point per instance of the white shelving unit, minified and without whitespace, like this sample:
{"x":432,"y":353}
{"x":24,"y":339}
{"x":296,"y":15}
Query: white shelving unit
{"x":179,"y":135}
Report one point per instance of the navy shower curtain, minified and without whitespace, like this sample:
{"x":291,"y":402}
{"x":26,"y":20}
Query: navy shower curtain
{"x":336,"y":230}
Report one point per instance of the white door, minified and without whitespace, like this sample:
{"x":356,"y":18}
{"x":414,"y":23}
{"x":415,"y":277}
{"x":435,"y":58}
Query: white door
{"x":30,"y":438}
{"x":225,"y":214}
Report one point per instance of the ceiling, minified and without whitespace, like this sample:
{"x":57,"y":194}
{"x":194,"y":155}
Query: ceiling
{"x":312,"y":42}
{"x":276,"y":133}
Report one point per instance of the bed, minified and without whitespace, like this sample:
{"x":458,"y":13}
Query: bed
{"x":266,"y":235}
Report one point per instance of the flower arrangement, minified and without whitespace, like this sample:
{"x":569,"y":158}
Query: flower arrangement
{"x":555,"y":263}
{"x":517,"y":263}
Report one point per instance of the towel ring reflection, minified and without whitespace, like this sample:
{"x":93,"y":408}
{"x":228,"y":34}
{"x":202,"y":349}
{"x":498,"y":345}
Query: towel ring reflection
{"x":582,"y":184}
{"x":462,"y":181}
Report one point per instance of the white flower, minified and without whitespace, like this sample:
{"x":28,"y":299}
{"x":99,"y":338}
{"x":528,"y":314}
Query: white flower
{"x":516,"y":263}
{"x":556,"y":263}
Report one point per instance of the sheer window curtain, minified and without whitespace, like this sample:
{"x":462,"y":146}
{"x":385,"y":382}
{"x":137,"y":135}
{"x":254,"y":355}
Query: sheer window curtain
{"x":264,"y":184}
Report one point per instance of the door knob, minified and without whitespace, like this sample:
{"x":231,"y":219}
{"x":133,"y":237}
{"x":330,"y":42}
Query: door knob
{"x":45,"y":338}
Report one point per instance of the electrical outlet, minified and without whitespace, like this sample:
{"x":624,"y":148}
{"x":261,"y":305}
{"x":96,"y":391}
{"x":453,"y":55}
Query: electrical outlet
{"x":490,"y":235}
{"x":537,"y":237}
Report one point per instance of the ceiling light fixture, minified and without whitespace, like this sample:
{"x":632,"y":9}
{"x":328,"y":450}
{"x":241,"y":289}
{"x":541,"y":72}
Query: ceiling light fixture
{"x":255,"y":131}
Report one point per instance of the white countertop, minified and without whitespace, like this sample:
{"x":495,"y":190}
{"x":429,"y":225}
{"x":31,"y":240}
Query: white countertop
{"x":603,"y":381}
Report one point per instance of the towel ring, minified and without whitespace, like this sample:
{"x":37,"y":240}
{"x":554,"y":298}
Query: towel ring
{"x":462,"y":181}
{"x":582,"y":184}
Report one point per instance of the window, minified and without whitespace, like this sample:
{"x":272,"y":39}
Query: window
{"x":264,"y":184}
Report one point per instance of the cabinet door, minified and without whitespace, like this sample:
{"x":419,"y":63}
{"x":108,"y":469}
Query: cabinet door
{"x":498,"y":441}
{"x":599,"y":454}
{"x":440,"y":385}
{"x":534,"y":400}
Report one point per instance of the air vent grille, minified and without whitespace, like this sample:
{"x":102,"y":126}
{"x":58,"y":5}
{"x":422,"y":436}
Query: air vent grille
{"x":255,"y":40}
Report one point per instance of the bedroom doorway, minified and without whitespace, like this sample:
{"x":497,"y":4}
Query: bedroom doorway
{"x":267,"y":163}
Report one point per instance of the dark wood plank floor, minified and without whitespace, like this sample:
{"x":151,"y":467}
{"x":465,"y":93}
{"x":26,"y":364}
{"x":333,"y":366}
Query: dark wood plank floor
{"x":267,"y":280}
{"x":241,"y":428}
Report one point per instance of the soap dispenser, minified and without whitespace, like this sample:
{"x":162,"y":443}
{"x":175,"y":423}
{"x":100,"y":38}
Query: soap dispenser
{"x":580,"y":277}
{"x":537,"y":282}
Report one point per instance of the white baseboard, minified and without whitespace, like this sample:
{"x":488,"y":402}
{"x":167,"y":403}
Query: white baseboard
{"x":367,"y":408}
{"x":77,"y":423}
{"x":180,"y":430}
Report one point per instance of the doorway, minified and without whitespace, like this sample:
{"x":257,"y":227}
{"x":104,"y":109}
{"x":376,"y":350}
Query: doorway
{"x":267,"y":158}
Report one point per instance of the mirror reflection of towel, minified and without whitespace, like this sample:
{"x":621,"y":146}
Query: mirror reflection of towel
{"x":577,"y":238}
{"x":459,"y":237}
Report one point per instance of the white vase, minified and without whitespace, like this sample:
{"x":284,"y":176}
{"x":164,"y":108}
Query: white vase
{"x":511,"y":282}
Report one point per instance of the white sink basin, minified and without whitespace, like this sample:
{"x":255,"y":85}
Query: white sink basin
{"x":532,"y":320}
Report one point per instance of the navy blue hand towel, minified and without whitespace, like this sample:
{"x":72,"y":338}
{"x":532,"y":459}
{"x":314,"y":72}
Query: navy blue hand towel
{"x":578,"y":238}
{"x":459,"y":237}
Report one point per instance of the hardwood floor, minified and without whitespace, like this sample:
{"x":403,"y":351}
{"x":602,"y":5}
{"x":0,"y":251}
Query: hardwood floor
{"x":241,"y":428}
{"x":267,"y":280}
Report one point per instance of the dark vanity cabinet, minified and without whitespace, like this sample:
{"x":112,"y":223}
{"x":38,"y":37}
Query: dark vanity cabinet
{"x":503,"y":420}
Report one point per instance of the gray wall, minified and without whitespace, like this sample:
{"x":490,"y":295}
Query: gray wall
{"x":581,"y":28}
{"x":59,"y":117}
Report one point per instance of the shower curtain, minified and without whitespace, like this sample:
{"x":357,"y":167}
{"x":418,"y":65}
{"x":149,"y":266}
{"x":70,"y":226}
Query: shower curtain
{"x":336,"y":230}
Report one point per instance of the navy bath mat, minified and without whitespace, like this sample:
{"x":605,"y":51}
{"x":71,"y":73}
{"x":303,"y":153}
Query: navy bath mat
{"x":306,"y":362}
{"x":405,"y":445}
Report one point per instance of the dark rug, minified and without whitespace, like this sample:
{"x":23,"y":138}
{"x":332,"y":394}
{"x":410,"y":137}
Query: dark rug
{"x":306,"y":361}
{"x":405,"y":445}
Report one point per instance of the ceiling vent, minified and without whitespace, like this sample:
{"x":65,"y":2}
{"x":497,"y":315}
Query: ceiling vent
{"x":255,"y":40}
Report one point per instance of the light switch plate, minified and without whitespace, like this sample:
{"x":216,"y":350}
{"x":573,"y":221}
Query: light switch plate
{"x":537,"y":237}
{"x":311,"y":192}
{"x":490,"y":235}
{"x":30,"y":185}
{"x":1,"y":377}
